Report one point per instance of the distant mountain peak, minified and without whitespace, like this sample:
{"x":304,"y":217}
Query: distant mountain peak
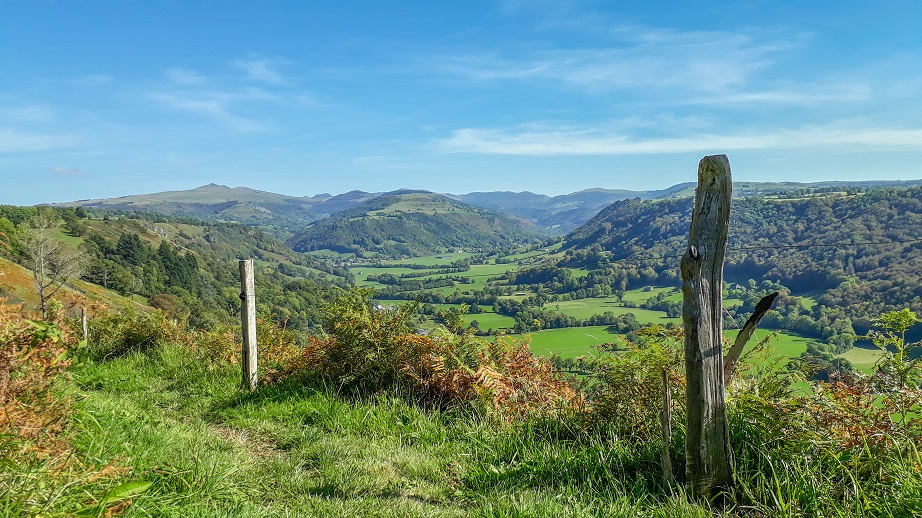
{"x":409,"y":191}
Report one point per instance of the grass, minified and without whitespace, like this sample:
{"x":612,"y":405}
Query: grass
{"x":490,"y":321}
{"x":569,"y":342}
{"x":181,"y":429}
{"x":863,"y":356}
{"x":480,"y":273}
{"x":434,"y":260}
{"x":784,"y":345}
{"x":17,"y":284}
{"x":640,"y":295}
{"x":585,"y":308}
{"x":176,"y":429}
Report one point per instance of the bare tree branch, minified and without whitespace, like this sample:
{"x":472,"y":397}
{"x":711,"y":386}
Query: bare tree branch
{"x":53,"y":261}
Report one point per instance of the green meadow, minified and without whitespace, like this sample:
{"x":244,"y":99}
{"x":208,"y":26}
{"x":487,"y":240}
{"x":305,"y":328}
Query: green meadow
{"x":491,"y":320}
{"x":571,"y":342}
{"x":568,"y":342}
{"x":585,"y":308}
{"x":863,"y":356}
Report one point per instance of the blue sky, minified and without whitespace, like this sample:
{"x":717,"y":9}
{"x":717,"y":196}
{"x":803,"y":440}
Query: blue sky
{"x":101,"y":99}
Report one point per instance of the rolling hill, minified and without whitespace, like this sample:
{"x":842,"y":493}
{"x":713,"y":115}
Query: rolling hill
{"x":277,"y":212}
{"x":413,"y":223}
{"x":564,"y":213}
{"x":189,"y":269}
{"x":860,"y":253}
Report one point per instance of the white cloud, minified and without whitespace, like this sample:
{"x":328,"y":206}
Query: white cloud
{"x":260,"y":69}
{"x":69,"y":171}
{"x":92,"y":80}
{"x":601,"y":142}
{"x":792,"y":96}
{"x":185,"y":77}
{"x":15,"y":141}
{"x":702,"y":61}
{"x":217,"y":105}
{"x":29,"y":113}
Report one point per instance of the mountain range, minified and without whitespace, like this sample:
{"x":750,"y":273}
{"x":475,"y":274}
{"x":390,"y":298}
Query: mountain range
{"x":286,"y":215}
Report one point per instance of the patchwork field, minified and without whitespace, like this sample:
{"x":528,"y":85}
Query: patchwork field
{"x":580,"y":341}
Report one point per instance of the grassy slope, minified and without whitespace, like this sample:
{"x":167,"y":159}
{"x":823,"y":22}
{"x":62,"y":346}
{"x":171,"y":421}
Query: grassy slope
{"x":297,"y":449}
{"x":303,"y":450}
{"x":17,"y":284}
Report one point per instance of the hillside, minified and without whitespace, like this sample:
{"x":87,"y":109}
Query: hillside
{"x":187,"y":268}
{"x":860,"y":280}
{"x":564,"y":213}
{"x":218,"y":203}
{"x":413,"y":223}
{"x":17,"y":286}
{"x":558,"y":214}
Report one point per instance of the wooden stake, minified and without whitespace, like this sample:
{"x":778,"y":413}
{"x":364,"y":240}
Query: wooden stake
{"x":248,"y":323}
{"x":709,"y":467}
{"x":83,"y":323}
{"x":666,"y":423}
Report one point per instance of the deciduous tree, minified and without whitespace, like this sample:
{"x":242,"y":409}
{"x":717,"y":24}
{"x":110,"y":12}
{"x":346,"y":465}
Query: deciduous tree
{"x":53,"y":262}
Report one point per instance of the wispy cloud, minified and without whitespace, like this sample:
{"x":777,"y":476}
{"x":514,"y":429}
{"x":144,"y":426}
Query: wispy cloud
{"x":92,"y":80}
{"x":185,"y":77}
{"x":809,"y":95}
{"x":15,"y":141}
{"x":29,"y":114}
{"x":217,"y":105}
{"x":693,"y":61}
{"x":600,"y":142}
{"x":67,"y":171}
{"x":456,"y":35}
{"x":261,"y":69}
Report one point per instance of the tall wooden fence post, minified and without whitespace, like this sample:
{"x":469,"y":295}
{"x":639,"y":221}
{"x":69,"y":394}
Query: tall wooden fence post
{"x":709,"y":462}
{"x":248,"y":323}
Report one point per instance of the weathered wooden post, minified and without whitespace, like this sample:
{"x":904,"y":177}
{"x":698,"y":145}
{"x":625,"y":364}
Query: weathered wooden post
{"x":709,"y":462}
{"x":666,"y":427}
{"x":248,"y":323}
{"x":84,"y":324}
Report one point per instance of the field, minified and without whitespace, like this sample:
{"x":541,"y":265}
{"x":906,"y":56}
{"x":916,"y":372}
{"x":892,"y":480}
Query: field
{"x":863,"y":356}
{"x":641,"y":295}
{"x":490,"y":321}
{"x":585,"y":308}
{"x":17,"y":285}
{"x":569,"y":342}
{"x":478,"y":273}
{"x":579,"y":341}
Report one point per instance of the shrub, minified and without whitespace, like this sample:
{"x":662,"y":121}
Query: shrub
{"x":520,"y":385}
{"x":33,"y":357}
{"x":117,"y":334}
{"x":371,"y":348}
{"x":627,"y":391}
